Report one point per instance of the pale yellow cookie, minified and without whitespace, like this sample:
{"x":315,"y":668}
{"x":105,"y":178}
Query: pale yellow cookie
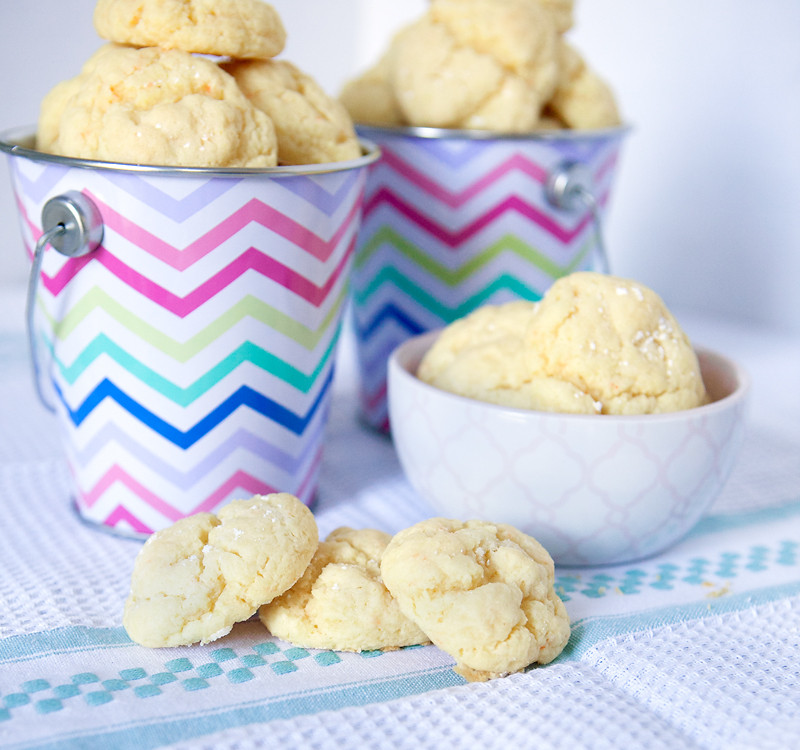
{"x":518,"y":34}
{"x":370,"y":98}
{"x":195,"y":579}
{"x":233,"y":28}
{"x":311,"y":127}
{"x":582,"y":100}
{"x":488,"y":64}
{"x":561,"y":11}
{"x":482,"y":592}
{"x":595,"y":344}
{"x":51,"y":109}
{"x":482,"y":356}
{"x":436,"y":82}
{"x":513,"y":108}
{"x":502,"y":327}
{"x":340,"y":602}
{"x":154,"y":106}
{"x":614,"y":340}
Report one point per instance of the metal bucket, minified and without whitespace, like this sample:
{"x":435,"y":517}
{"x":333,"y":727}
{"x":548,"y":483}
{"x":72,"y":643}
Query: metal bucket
{"x":183,"y":324}
{"x":455,"y":219}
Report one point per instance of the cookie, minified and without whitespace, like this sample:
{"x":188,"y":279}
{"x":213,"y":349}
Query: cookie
{"x":482,"y":592}
{"x":482,"y":356}
{"x":370,"y":98}
{"x":234,"y":28}
{"x":340,"y":602}
{"x":154,"y":106}
{"x":582,"y":100}
{"x":476,"y":63}
{"x":562,"y":13}
{"x":311,"y":127}
{"x":195,"y":579}
{"x":594,"y":344}
{"x":614,"y":340}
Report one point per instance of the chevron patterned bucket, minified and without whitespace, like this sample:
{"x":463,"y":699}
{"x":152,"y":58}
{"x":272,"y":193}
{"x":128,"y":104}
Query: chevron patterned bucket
{"x":455,"y":219}
{"x":189,"y":357}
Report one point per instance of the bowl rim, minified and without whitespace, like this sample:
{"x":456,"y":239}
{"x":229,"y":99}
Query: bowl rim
{"x":20,"y":142}
{"x":425,"y":340}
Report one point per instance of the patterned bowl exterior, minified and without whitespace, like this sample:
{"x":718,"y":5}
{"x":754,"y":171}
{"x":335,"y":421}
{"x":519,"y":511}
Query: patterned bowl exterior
{"x":191,"y":355}
{"x":594,"y":490}
{"x":454,"y":222}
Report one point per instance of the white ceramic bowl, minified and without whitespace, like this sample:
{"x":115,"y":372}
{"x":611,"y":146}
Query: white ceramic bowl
{"x":594,"y":490}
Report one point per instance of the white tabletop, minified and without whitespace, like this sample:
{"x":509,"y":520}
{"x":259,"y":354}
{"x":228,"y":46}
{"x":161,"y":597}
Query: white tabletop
{"x":696,"y":647}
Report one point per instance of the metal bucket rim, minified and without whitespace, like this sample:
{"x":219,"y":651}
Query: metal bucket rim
{"x":19,"y":142}
{"x":377,"y":132}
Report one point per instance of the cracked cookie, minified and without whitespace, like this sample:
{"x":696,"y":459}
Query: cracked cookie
{"x":195,"y":579}
{"x":340,"y":602}
{"x":482,"y":592}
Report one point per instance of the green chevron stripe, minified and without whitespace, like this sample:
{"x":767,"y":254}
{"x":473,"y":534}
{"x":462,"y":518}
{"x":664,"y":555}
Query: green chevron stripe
{"x":504,"y":282}
{"x":247,"y":352}
{"x":181,"y":351}
{"x":508,"y":243}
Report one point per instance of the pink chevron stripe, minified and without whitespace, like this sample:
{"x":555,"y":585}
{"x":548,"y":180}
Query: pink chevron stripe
{"x":252,"y":212}
{"x":121,"y":514}
{"x":245,"y":481}
{"x":454,"y":239}
{"x":240,"y":479}
{"x":117,"y":474}
{"x":607,"y":166}
{"x":304,"y":491}
{"x":455,"y":199}
{"x":251,"y":259}
{"x":373,"y":400}
{"x":32,"y":228}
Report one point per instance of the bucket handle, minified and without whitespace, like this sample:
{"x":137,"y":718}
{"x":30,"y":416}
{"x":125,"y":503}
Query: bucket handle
{"x":569,"y":186}
{"x":72,"y":225}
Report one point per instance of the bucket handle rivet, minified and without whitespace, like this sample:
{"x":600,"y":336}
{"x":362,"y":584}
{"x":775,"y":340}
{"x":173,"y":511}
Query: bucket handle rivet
{"x":71,"y":225}
{"x":569,"y":186}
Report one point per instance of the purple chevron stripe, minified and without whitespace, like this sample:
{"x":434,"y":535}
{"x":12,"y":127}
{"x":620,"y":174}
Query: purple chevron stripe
{"x":37,"y":189}
{"x":240,"y":480}
{"x":312,"y":192}
{"x":584,"y":151}
{"x":452,"y":157}
{"x":374,"y":362}
{"x":176,"y":209}
{"x":516,"y":162}
{"x":240,"y":440}
{"x":457,"y":153}
{"x":179,"y":210}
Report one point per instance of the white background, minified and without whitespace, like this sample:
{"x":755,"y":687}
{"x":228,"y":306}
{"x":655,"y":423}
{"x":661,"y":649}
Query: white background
{"x":706,"y":208}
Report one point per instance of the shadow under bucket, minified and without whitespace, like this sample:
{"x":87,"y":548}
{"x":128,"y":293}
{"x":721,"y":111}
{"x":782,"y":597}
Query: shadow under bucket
{"x":189,"y":350}
{"x":457,"y":219}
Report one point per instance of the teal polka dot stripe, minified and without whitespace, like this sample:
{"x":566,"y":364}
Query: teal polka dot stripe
{"x":225,"y":664}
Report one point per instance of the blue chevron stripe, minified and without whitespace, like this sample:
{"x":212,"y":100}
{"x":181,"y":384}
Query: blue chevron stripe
{"x":405,"y":319}
{"x":248,"y":352}
{"x":244,"y":396}
{"x":386,"y":313}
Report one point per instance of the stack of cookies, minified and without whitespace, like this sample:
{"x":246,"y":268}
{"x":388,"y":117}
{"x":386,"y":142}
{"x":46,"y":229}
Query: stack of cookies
{"x":152,"y":95}
{"x":482,"y":592}
{"x":500,"y":65}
